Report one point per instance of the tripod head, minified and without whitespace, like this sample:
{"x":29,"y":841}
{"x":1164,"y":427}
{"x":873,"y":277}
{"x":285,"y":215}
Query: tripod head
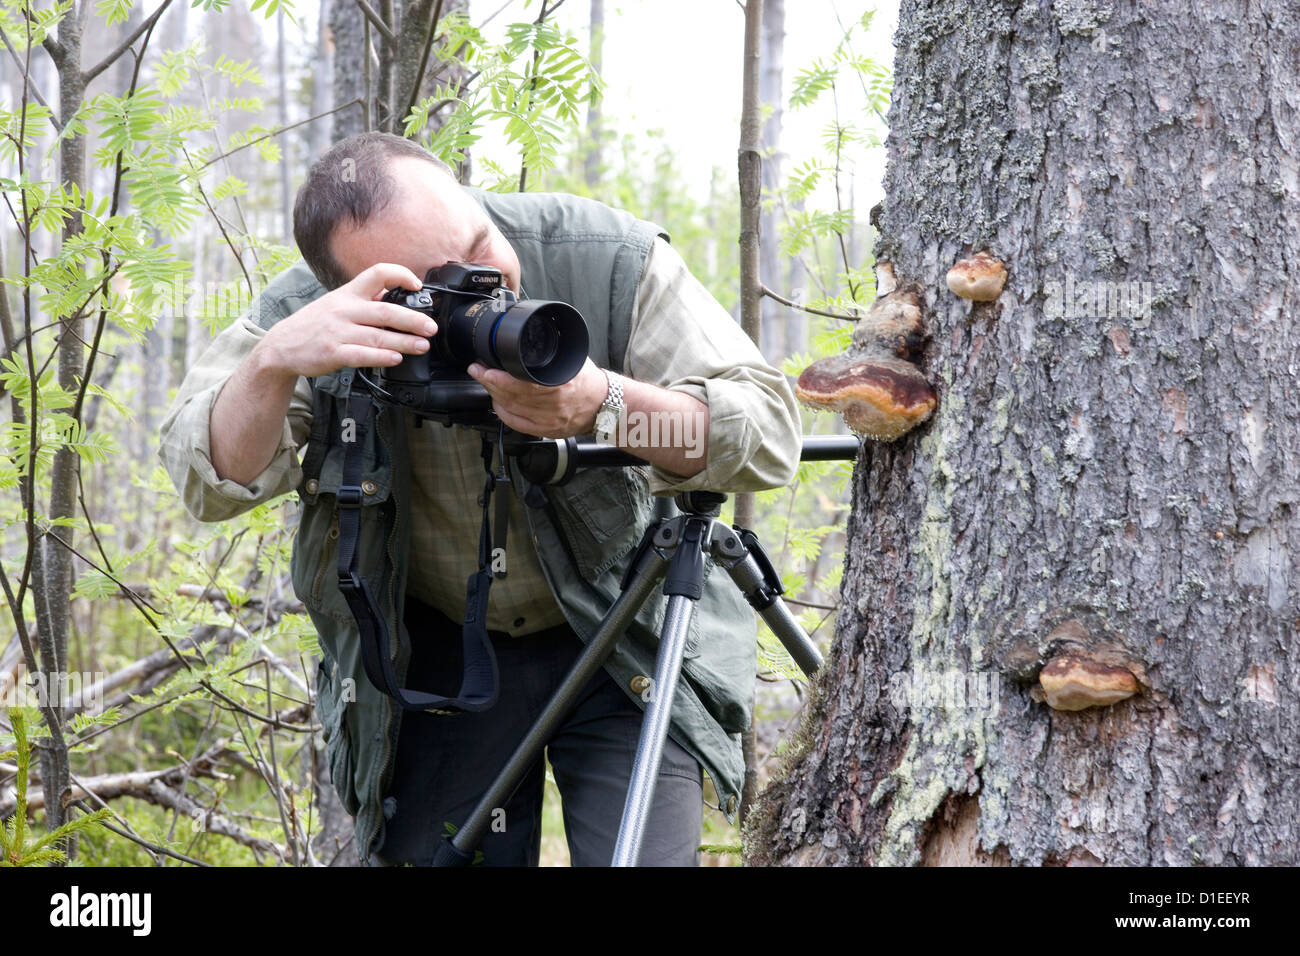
{"x":704,"y":503}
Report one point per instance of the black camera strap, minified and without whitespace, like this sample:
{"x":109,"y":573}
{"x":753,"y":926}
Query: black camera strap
{"x":479,"y":683}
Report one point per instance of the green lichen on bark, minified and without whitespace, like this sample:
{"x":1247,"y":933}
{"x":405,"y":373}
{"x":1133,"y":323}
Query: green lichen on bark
{"x":920,"y":785}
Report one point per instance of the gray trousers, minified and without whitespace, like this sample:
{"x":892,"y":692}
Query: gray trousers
{"x":444,"y":764}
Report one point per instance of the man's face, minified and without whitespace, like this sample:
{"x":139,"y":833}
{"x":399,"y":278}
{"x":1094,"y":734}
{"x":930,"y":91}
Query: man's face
{"x":431,"y":221}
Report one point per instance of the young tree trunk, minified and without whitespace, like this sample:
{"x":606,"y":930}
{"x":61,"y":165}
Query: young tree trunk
{"x":52,"y":568}
{"x":1111,"y":473}
{"x":750,"y":181}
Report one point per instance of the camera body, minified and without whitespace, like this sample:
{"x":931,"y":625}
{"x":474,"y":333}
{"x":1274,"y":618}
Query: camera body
{"x":480,"y":320}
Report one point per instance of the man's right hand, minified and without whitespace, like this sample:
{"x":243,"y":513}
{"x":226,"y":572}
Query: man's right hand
{"x":348,"y":327}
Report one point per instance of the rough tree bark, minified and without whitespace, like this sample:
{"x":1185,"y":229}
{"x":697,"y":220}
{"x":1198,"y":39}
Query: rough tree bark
{"x":1107,"y":475}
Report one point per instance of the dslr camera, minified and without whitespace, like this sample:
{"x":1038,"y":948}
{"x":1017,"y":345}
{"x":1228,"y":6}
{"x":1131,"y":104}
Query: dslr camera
{"x":480,"y":320}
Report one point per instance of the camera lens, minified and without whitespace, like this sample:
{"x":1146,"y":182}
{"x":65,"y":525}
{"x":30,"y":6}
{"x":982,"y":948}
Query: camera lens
{"x":538,"y":343}
{"x":542,"y":342}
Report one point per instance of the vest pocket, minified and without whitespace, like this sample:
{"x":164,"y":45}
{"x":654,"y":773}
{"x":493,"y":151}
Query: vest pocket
{"x":602,"y":513}
{"x":332,"y":713}
{"x":317,"y":543}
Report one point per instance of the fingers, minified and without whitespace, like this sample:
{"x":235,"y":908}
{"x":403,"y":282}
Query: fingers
{"x":370,"y":337}
{"x":383,"y":275}
{"x":521,"y":424}
{"x":362,"y":356}
{"x":393,"y":316}
{"x":501,"y":384}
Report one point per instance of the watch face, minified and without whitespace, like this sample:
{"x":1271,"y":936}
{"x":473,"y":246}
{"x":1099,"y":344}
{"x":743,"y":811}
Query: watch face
{"x":606,"y":422}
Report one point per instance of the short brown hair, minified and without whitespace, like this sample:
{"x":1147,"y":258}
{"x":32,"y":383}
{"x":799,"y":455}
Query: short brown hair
{"x":350,"y":180}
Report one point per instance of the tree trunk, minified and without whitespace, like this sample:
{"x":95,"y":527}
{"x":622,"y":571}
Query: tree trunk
{"x":322,"y":88}
{"x":750,"y":182}
{"x":52,"y":567}
{"x":1111,"y":473}
{"x":347,"y":26}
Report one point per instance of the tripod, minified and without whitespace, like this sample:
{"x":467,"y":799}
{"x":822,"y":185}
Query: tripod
{"x":672,"y":551}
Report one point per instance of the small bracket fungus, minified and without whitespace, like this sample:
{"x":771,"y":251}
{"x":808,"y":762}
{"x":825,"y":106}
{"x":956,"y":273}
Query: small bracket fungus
{"x":874,"y":385}
{"x":892,"y":324}
{"x":886,"y":281}
{"x":1076,"y":683}
{"x":979,"y":277}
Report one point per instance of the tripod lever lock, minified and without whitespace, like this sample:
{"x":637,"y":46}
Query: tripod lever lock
{"x":771,"y":588}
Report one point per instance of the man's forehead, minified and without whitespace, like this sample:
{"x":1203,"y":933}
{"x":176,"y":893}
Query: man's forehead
{"x":434,"y":202}
{"x":430,"y":221}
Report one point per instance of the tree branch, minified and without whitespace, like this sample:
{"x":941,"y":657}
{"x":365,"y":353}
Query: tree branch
{"x":125,"y":45}
{"x":377,"y":21}
{"x":31,"y":86}
{"x":424,"y":61}
{"x":805,"y":308}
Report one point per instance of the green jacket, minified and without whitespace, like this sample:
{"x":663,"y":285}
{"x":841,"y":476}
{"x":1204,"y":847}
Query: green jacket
{"x":576,"y":251}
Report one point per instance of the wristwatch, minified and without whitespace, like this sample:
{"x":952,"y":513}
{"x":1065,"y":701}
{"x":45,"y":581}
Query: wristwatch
{"x":610,"y":411}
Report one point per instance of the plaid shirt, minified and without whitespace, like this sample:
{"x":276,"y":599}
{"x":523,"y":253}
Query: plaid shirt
{"x":681,"y":338}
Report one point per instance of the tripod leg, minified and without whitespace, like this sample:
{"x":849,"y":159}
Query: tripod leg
{"x":459,"y":850}
{"x":774,"y":611}
{"x":654,"y":729}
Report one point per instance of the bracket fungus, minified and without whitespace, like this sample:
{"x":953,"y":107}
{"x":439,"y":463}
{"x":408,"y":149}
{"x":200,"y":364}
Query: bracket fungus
{"x":880,"y":397}
{"x":893,"y":324}
{"x":979,"y":277}
{"x":1073,"y":682}
{"x":875,"y":386}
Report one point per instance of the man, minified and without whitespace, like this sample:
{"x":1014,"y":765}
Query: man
{"x":375,"y":213}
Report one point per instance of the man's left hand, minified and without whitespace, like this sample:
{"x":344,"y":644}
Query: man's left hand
{"x":546,"y":411}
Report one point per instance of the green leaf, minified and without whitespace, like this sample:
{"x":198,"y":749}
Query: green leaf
{"x":116,"y":11}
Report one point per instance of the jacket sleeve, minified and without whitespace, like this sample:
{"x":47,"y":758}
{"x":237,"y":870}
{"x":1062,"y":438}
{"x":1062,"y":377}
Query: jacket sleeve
{"x":184,"y":436}
{"x":683,"y":339}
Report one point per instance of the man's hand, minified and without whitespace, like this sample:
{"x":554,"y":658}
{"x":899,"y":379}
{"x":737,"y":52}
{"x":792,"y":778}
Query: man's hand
{"x":570,"y":409}
{"x":348,"y":327}
{"x":546,"y":411}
